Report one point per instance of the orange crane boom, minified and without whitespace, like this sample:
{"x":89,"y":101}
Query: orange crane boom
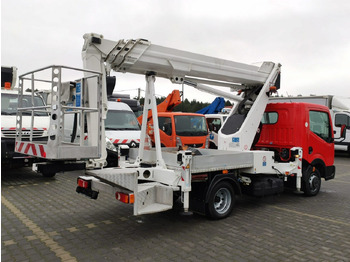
{"x":172,"y":100}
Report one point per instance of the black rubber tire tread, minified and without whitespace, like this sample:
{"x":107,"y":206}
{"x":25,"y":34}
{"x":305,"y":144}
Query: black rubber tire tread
{"x":211,"y":211}
{"x":48,"y":174}
{"x":314,"y":174}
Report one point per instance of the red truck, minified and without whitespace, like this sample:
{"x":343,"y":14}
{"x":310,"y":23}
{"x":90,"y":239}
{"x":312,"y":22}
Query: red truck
{"x":286,"y":125}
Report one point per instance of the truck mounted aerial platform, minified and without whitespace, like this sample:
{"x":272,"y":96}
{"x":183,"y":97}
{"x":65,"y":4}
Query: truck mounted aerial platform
{"x":206,"y":180}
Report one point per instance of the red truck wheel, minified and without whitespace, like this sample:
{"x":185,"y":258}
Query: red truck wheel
{"x":311,"y":181}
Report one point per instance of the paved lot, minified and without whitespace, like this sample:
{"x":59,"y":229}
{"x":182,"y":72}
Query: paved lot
{"x":45,"y":220}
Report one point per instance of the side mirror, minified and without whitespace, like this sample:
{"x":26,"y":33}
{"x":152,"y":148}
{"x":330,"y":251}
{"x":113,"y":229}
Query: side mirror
{"x":343,"y":131}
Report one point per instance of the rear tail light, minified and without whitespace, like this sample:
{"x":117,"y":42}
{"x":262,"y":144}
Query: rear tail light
{"x":84,"y":187}
{"x":7,"y":85}
{"x":83,"y":183}
{"x":125,"y":198}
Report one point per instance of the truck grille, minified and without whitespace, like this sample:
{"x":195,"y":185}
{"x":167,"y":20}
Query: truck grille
{"x":11,"y":132}
{"x":194,"y":145}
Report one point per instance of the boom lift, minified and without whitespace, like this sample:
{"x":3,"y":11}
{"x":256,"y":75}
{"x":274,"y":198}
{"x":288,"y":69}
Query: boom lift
{"x":207,"y":180}
{"x":172,"y":100}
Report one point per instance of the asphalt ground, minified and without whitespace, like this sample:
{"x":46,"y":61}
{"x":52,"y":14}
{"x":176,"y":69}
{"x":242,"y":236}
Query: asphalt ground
{"x":44,"y":219}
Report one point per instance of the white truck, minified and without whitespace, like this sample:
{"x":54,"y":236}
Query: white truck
{"x":121,"y":125}
{"x":121,"y":128}
{"x":340,"y":112}
{"x":215,"y":121}
{"x":206,"y":180}
{"x":37,"y":129}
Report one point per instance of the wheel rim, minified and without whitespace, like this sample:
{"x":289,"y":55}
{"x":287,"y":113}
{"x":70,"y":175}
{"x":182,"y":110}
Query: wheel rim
{"x":314,"y":182}
{"x":222,"y":200}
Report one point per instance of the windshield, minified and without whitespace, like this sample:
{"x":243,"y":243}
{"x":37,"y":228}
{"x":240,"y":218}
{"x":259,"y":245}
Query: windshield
{"x":9,"y":104}
{"x":188,"y":125}
{"x":121,"y":120}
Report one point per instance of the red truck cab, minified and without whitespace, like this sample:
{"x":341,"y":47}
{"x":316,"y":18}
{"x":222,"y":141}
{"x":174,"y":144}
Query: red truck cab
{"x":287,"y":125}
{"x":181,"y":129}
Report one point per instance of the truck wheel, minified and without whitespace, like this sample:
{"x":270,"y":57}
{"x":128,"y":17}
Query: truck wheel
{"x":221,"y":201}
{"x":48,"y":174}
{"x":212,"y":146}
{"x":311,"y":181}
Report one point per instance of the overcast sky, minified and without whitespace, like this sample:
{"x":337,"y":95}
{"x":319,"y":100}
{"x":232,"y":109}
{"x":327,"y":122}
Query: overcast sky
{"x":310,"y":38}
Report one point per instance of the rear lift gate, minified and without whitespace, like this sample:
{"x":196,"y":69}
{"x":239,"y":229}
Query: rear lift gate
{"x":148,"y":197}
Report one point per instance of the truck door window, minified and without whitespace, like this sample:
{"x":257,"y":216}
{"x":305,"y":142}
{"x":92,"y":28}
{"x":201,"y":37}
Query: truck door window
{"x":269,"y":118}
{"x":214,"y":124}
{"x":320,"y":125}
{"x":165,"y":125}
{"x":342,"y":119}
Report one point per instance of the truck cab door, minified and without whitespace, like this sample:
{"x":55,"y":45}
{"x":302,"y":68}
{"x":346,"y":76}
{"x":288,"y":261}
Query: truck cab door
{"x":166,"y":131}
{"x":320,"y":144}
{"x":342,"y":119}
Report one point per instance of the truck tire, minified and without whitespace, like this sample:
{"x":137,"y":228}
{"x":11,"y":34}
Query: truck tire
{"x":212,"y":146}
{"x":221,"y":201}
{"x":311,"y":181}
{"x":48,"y":174}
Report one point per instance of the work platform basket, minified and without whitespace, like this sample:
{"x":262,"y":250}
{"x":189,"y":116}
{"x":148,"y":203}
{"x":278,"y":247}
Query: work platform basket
{"x":74,"y":109}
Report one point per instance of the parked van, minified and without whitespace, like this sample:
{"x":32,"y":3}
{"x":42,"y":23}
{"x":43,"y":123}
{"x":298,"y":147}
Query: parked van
{"x":121,"y":125}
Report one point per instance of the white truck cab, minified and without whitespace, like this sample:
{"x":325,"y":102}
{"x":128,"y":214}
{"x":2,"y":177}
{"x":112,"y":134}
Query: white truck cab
{"x":215,"y":121}
{"x":121,"y":125}
{"x":9,"y":105}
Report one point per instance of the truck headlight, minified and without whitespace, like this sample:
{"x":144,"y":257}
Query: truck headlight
{"x":178,"y":142}
{"x":110,"y":146}
{"x":207,"y":142}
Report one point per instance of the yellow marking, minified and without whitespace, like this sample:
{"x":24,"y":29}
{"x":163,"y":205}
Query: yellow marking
{"x":312,"y":216}
{"x":39,"y":233}
{"x":340,"y":181}
{"x":24,"y":185}
{"x":342,"y":175}
{"x":30,"y":238}
{"x":90,"y":225}
{"x":9,"y":242}
{"x":341,"y":165}
{"x":53,"y":233}
{"x":72,"y":229}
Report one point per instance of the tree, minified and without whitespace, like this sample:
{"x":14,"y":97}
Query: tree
{"x":186,"y":105}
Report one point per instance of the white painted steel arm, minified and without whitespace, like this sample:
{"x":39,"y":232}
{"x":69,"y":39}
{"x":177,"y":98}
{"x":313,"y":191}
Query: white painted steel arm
{"x":140,"y":57}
